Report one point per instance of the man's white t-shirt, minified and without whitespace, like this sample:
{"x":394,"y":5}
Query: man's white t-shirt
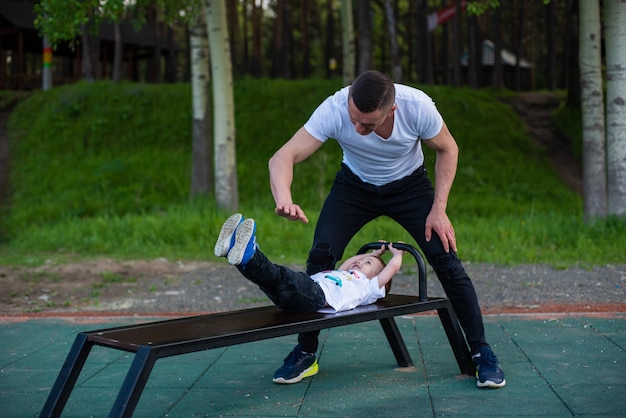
{"x":374,"y":159}
{"x":345,"y":290}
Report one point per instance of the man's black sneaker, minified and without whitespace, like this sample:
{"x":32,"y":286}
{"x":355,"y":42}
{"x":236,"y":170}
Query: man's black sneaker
{"x":488,"y":371}
{"x":298,"y":365}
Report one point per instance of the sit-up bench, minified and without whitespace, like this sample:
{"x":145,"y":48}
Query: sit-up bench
{"x":155,"y":340}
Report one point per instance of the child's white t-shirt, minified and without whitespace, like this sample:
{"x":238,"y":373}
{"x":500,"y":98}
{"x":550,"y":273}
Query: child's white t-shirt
{"x":345,"y":290}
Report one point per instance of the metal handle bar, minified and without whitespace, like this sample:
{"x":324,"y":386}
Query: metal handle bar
{"x":422,"y":288}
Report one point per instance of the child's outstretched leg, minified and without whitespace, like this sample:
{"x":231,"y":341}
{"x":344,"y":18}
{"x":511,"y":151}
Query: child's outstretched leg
{"x":226,"y":238}
{"x":245,"y":243}
{"x":290,"y":290}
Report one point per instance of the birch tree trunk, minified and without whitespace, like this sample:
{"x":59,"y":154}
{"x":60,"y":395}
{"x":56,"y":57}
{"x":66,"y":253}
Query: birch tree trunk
{"x":594,"y":150}
{"x":615,"y":41}
{"x":396,"y":68}
{"x":347,"y":31}
{"x":201,"y":165}
{"x":226,"y":190}
{"x":46,"y":70}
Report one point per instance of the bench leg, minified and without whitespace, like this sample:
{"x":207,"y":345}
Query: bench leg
{"x":134,"y":383}
{"x":455,"y":337}
{"x":67,"y":377}
{"x":396,"y":342}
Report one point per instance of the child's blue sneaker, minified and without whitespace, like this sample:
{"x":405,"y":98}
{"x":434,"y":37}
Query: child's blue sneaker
{"x":245,"y":243}
{"x":226,"y":239}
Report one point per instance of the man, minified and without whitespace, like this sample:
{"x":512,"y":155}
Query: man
{"x":380,"y":127}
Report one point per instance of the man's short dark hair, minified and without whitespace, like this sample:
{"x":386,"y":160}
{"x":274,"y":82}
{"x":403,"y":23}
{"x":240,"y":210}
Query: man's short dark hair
{"x":372,"y":90}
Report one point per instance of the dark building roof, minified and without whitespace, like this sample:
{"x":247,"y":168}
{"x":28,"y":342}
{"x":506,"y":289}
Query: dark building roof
{"x":16,"y":14}
{"x":16,"y":17}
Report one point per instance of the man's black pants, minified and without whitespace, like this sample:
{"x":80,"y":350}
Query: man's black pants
{"x":353,"y":203}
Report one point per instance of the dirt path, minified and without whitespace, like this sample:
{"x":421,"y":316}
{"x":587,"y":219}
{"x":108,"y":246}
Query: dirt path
{"x":104,"y":286}
{"x":535,"y":110}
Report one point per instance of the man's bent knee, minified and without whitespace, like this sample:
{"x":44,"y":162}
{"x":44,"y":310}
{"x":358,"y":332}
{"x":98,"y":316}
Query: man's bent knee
{"x":448,"y":266}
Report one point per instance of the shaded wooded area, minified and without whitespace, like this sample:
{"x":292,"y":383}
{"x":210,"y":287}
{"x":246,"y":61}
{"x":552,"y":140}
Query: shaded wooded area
{"x":422,"y":41}
{"x":149,"y":52}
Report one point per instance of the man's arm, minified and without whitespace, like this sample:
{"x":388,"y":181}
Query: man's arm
{"x":447,"y":152}
{"x":297,"y":149}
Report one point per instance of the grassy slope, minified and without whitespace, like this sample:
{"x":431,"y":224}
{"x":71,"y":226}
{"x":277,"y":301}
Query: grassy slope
{"x":103,"y":169}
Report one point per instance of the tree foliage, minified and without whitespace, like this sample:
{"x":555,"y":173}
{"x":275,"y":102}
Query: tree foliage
{"x":310,"y":37}
{"x":63,"y":20}
{"x":478,"y":7}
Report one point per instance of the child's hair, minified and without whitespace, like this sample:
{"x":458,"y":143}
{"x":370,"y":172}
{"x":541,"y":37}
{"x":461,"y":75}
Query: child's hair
{"x":379,"y":258}
{"x":388,"y":286}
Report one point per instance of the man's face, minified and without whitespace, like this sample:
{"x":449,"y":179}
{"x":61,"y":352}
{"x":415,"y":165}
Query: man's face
{"x":366,"y":123}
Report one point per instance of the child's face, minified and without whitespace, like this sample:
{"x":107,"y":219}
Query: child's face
{"x":368,"y":265}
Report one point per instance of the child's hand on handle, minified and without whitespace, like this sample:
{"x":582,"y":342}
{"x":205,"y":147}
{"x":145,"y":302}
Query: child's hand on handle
{"x":394,"y":251}
{"x":380,"y":251}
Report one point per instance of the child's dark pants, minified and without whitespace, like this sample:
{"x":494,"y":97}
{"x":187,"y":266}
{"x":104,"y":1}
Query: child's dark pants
{"x":290,"y":290}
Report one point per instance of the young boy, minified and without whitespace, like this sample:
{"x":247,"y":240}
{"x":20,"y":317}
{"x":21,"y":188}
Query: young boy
{"x":360,"y":280}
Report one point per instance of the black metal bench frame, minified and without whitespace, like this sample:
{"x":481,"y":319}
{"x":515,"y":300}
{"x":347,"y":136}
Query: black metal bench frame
{"x":155,"y":340}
